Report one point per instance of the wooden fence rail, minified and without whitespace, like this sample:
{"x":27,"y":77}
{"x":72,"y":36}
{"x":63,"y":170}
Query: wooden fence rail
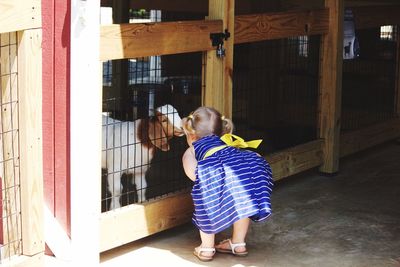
{"x":148,"y":39}
{"x":259,"y":27}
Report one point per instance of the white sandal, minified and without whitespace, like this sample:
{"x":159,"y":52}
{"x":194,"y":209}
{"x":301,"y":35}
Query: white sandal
{"x":232,"y":249}
{"x":198,"y":253}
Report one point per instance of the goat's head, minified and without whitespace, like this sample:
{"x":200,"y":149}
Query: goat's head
{"x":167,"y":125}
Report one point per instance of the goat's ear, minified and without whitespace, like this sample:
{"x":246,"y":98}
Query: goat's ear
{"x":157,"y":135}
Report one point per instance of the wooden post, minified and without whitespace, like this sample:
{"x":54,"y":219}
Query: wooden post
{"x":397,"y":74}
{"x":331,"y":86}
{"x":30,"y":123}
{"x":218,"y":72}
{"x":10,"y":145}
{"x":119,"y":82}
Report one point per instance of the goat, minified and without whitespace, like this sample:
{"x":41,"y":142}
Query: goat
{"x":129,"y":146}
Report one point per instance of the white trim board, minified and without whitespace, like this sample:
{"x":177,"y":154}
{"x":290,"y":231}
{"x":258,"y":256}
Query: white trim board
{"x":85,"y":119}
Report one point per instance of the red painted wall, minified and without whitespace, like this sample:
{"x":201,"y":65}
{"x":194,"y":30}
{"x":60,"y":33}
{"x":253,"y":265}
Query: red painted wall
{"x":56,"y":103}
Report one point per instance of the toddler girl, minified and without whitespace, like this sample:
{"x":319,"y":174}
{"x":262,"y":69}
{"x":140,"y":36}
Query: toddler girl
{"x":231,"y":185}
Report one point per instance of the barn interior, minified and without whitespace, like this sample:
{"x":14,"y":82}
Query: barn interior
{"x":322,"y":218}
{"x":317,"y":80}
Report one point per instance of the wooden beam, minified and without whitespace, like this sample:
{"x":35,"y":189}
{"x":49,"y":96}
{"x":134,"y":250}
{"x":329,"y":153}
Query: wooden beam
{"x":198,"y":6}
{"x":259,"y":27}
{"x":149,"y":39}
{"x":362,"y":139}
{"x":397,"y":75}
{"x":136,"y":221}
{"x":9,"y":145}
{"x":296,"y":159}
{"x":17,"y":15}
{"x":218,"y":72}
{"x":30,"y":122}
{"x":376,"y":16}
{"x":330,"y":86}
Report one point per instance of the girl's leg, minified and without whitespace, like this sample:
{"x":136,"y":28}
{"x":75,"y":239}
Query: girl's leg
{"x":240,"y":228}
{"x":207,"y":240}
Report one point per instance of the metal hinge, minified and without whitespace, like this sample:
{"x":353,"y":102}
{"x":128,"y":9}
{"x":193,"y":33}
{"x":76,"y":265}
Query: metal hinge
{"x":218,"y":41}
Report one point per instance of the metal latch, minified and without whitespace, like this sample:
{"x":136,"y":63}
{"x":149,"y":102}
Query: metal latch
{"x":218,"y":41}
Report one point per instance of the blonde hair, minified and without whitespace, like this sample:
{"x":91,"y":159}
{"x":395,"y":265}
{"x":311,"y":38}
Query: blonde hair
{"x":206,"y":121}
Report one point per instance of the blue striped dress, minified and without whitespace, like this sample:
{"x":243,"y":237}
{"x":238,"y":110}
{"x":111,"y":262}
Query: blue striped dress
{"x":230,"y":184}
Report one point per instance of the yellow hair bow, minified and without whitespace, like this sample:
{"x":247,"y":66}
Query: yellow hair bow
{"x":239,"y":142}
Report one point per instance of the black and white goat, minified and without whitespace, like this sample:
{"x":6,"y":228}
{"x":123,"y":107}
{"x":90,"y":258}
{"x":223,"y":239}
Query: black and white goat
{"x":129,"y":146}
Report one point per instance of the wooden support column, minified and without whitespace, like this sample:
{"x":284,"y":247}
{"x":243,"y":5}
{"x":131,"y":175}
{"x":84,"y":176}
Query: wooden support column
{"x":9,"y":145}
{"x":30,"y":122}
{"x":119,"y":80}
{"x":331,"y":86}
{"x":218,"y":72}
{"x":397,"y":75}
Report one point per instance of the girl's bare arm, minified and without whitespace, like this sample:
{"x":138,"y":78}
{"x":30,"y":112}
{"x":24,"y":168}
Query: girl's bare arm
{"x":189,"y":163}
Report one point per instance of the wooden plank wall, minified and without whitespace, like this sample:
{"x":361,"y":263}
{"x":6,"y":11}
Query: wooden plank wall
{"x":55,"y":82}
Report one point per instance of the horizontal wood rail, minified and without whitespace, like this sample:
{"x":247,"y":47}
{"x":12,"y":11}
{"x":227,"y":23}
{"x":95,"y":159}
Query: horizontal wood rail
{"x":17,"y":15}
{"x":296,"y":159}
{"x":358,"y":140}
{"x":147,"y":39}
{"x":375,"y":16}
{"x":136,"y":221}
{"x":259,"y":27}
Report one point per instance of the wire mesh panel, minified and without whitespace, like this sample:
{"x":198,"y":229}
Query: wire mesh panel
{"x":10,"y":208}
{"x":369,"y":80}
{"x":275,"y":91}
{"x":143,"y":102}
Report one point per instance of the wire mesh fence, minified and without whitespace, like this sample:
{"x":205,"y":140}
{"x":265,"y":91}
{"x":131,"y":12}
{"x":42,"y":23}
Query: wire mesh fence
{"x":10,"y":205}
{"x":275,"y":91}
{"x":369,"y":81}
{"x":143,"y":101}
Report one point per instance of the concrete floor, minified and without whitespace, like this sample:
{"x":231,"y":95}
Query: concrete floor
{"x":352,"y":219}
